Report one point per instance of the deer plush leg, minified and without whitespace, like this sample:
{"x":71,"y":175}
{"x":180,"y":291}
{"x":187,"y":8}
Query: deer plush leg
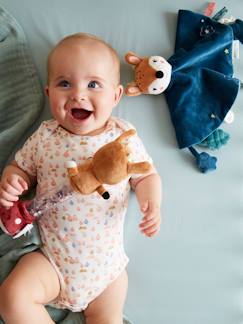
{"x":126,"y":135}
{"x":140,"y":167}
{"x":101,"y":190}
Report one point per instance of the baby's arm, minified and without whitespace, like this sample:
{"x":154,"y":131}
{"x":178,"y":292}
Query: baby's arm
{"x":148,"y":191}
{"x":14,"y":182}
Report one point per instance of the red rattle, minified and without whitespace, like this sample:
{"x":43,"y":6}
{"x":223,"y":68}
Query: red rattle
{"x":18,"y":220}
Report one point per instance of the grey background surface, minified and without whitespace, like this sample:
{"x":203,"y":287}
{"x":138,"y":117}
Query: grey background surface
{"x":192,"y":272}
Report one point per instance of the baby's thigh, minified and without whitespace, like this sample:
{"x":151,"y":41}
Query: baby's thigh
{"x":110,"y":303}
{"x":34,"y":278}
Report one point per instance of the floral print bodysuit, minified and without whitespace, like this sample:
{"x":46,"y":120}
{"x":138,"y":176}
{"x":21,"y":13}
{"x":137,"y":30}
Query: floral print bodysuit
{"x":82,"y":236}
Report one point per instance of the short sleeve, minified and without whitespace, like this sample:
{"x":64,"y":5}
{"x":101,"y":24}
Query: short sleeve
{"x":29,"y":155}
{"x":26,"y":157}
{"x":138,"y":152}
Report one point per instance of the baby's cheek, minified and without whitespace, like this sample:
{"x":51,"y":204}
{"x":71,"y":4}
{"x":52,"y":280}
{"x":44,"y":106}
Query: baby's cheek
{"x":58,"y":111}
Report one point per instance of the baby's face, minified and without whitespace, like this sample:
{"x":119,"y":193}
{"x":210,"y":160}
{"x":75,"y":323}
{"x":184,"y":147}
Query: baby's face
{"x":83,"y":87}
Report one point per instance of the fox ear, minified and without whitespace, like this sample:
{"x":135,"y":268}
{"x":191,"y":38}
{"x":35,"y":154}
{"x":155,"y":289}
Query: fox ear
{"x":132,"y":90}
{"x":132,"y":58}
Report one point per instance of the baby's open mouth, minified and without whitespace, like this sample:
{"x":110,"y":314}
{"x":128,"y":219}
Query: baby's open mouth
{"x":79,"y":113}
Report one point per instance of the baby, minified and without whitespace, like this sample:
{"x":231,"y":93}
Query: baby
{"x":81,"y":265}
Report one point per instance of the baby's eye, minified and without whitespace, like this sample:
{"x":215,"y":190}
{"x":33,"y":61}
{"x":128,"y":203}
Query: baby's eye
{"x":93,"y":84}
{"x":64,"y":84}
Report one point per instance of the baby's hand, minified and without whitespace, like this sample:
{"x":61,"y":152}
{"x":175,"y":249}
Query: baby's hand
{"x":11,"y":187}
{"x":151,"y":221}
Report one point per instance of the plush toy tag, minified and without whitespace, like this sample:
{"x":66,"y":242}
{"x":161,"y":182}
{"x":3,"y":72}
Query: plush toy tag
{"x":210,"y":9}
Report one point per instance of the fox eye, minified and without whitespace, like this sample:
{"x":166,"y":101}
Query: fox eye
{"x":64,"y":84}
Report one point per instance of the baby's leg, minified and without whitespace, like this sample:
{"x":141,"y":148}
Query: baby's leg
{"x":31,"y":284}
{"x":107,"y":308}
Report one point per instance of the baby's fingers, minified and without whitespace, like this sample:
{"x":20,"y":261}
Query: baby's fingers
{"x":14,"y":188}
{"x":23,"y":183}
{"x":6,"y":199}
{"x":151,"y":227}
{"x":20,"y":184}
{"x":4,"y":195}
{"x":147,"y":223}
{"x":6,"y":203}
{"x":151,"y":230}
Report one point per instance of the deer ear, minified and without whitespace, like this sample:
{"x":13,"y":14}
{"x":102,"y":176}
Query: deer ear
{"x":132,"y":58}
{"x":132,"y":90}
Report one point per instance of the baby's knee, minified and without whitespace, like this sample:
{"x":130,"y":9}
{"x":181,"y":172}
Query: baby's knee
{"x":104,"y":319}
{"x":103,"y":314}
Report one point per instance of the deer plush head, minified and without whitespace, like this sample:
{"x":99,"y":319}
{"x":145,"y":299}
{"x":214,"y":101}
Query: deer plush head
{"x":152,"y":75}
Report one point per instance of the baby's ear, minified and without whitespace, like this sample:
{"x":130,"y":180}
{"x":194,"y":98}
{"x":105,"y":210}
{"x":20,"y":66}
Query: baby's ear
{"x":132,"y":58}
{"x":118,"y":93}
{"x":132,"y":90}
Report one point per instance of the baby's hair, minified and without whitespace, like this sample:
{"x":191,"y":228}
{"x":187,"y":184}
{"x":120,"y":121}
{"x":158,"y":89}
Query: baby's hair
{"x":83,"y":37}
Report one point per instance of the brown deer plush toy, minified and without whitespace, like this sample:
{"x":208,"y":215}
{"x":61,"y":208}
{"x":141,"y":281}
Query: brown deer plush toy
{"x":109,"y":165}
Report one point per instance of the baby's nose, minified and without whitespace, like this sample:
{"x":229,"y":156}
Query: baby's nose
{"x":78,"y":96}
{"x":78,"y":99}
